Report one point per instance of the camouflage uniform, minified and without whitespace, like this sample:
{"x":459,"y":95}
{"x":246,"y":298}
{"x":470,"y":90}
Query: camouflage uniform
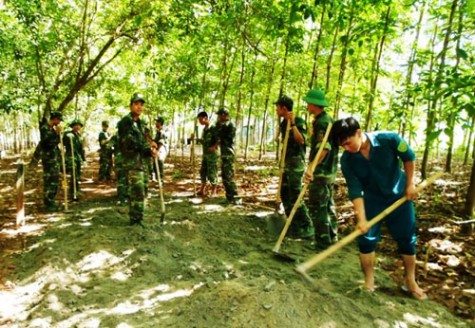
{"x":50,"y":159}
{"x":79,"y":157}
{"x":105,"y":156}
{"x":135,"y":150}
{"x":209,"y":164}
{"x":161,"y":141}
{"x":320,"y":197}
{"x":292,"y":181}
{"x":227,"y":133}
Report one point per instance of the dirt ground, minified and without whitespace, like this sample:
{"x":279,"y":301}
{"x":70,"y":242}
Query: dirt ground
{"x":211,"y":264}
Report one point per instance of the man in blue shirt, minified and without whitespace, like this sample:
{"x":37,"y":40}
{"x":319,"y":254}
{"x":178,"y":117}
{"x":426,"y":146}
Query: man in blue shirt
{"x":371,"y":166}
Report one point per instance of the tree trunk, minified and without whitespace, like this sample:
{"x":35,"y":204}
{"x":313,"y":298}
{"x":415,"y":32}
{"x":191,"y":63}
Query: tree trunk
{"x":330,"y":57}
{"x":248,"y":131}
{"x":262,"y":146}
{"x":453,"y":113}
{"x":314,"y":76}
{"x":410,"y":70}
{"x":470,"y":199}
{"x":375,"y":71}
{"x":344,"y":52}
{"x":469,"y":142}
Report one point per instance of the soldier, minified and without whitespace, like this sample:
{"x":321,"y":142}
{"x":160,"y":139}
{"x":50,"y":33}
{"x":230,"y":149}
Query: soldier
{"x":161,"y":140}
{"x":209,"y":163}
{"x":74,"y":158}
{"x":135,"y":149}
{"x":294,"y":168}
{"x":321,"y":205}
{"x":50,"y":133}
{"x":226,"y":133}
{"x":105,"y":153}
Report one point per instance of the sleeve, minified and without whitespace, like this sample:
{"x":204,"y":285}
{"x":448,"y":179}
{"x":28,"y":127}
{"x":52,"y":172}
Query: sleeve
{"x":355,"y":188}
{"x":301,"y":126}
{"x":319,"y":130}
{"x":404,"y":151}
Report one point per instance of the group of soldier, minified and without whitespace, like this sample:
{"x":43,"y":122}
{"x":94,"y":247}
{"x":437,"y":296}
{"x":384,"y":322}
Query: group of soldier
{"x":370,"y":165}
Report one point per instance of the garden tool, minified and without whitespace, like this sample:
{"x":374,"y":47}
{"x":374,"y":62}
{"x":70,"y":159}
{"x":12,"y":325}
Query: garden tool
{"x":73,"y":165}
{"x":63,"y":166}
{"x":159,"y":178}
{"x":312,"y":262}
{"x":313,"y":165}
{"x":277,"y":220}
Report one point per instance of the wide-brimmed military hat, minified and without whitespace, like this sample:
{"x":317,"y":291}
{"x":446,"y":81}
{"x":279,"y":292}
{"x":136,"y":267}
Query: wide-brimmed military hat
{"x":316,"y":97}
{"x":75,"y":122}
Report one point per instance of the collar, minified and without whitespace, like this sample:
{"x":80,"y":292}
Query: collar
{"x":372,"y":139}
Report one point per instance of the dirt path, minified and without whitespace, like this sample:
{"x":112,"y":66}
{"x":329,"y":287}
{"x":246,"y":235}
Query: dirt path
{"x":209,"y":265}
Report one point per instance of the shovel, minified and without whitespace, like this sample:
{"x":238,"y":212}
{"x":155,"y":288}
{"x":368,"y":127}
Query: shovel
{"x":277,"y":220}
{"x":162,"y":218}
{"x":312,"y":262}
{"x":313,"y":165}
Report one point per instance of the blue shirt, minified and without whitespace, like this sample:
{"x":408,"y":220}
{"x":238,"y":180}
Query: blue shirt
{"x":380,"y":176}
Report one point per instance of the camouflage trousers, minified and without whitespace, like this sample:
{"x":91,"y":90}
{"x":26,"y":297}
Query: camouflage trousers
{"x":105,"y":165}
{"x":321,"y":207}
{"x":136,"y":184}
{"x":291,"y":186}
{"x":209,"y":168}
{"x":122,"y":182}
{"x":227,"y":174}
{"x":50,"y":180}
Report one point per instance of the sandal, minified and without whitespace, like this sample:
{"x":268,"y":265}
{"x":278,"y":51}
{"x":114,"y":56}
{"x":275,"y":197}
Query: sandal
{"x":417,"y":295}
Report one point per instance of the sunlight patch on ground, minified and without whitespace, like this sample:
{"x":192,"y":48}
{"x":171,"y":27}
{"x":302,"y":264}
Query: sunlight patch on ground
{"x":186,"y":223}
{"x":27,"y":228}
{"x":182,"y":194}
{"x":171,"y":201}
{"x":129,"y":306}
{"x":99,"y":260}
{"x":262,"y":214}
{"x":42,"y":243}
{"x":255,"y":168}
{"x":18,"y":302}
{"x":440,"y":229}
{"x":207,"y":208}
{"x":445,"y":246}
{"x":416,"y":320}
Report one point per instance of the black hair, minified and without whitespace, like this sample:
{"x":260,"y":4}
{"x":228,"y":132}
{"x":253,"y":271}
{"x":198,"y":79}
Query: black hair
{"x":343,"y":129}
{"x":202,"y":114}
{"x":286,"y":102}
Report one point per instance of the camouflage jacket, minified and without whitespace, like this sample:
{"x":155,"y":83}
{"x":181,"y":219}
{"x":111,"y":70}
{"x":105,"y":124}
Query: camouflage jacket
{"x":327,"y":168}
{"x":294,"y":150}
{"x":79,"y":154}
{"x":106,"y":146}
{"x":210,"y":138}
{"x":49,"y":142}
{"x":132,"y":142}
{"x":226,"y":135}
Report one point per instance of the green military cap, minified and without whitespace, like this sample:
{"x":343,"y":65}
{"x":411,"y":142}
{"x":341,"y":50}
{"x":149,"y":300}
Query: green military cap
{"x":56,"y":114}
{"x":137,"y":97}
